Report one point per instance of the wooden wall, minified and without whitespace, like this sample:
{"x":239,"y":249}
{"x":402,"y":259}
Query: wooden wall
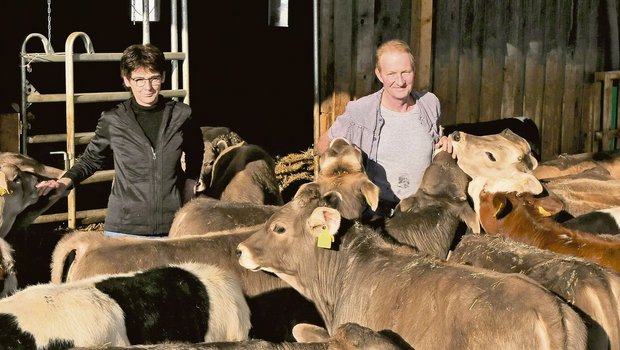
{"x":484,"y":59}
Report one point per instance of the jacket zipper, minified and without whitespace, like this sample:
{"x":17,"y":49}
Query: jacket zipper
{"x":154,"y":154}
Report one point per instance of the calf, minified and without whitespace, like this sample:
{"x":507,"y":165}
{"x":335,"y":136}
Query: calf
{"x":382,"y":285}
{"x":190,"y":302}
{"x":525,"y":218}
{"x":592,"y":289}
{"x":17,"y":192}
{"x":20,"y":203}
{"x":342,"y":170}
{"x":503,"y":162}
{"x":210,"y":216}
{"x":572,"y":164}
{"x":522,"y":126}
{"x":349,"y":336}
{"x":581,"y":193}
{"x":275,"y":306}
{"x":430,"y":218}
{"x":243,"y":173}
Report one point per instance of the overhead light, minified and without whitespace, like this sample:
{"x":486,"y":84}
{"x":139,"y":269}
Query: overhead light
{"x":278,"y":13}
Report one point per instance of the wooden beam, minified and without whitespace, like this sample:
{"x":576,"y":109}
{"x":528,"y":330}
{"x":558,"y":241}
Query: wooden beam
{"x":422,"y":41}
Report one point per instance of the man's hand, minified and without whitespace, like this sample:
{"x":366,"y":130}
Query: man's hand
{"x":445,"y":144}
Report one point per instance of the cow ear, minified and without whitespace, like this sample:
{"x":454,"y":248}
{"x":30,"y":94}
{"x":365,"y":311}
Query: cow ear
{"x":309,"y":333}
{"x":307,"y":189}
{"x":324,"y":219}
{"x":371,"y":194}
{"x":338,"y":140}
{"x":548,"y":205}
{"x":529,"y":183}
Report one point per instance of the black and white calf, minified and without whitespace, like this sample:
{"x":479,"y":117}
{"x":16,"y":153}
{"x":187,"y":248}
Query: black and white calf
{"x":189,"y":302}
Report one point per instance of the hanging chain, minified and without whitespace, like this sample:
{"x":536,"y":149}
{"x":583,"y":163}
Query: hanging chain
{"x":49,"y":21}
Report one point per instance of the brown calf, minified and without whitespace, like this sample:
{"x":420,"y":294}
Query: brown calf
{"x":377,"y":283}
{"x":527,"y":219}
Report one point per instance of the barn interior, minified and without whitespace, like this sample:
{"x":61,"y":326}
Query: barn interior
{"x":281,"y":86}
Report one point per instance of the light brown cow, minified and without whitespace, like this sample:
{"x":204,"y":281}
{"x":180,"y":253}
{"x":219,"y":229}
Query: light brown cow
{"x":499,"y":162}
{"x":378,"y":284}
{"x":496,"y":155}
{"x":208,"y":216}
{"x":592,"y":289}
{"x":572,"y":164}
{"x":581,"y":193}
{"x":527,"y":219}
{"x":275,"y":306}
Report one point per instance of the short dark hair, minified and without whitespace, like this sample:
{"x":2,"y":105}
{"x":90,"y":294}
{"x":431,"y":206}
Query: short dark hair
{"x":142,"y":56}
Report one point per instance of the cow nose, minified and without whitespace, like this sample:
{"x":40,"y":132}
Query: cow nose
{"x":456,"y":136}
{"x":238,"y":252}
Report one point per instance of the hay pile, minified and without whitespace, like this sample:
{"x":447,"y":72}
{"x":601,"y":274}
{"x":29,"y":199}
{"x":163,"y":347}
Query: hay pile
{"x":295,"y":168}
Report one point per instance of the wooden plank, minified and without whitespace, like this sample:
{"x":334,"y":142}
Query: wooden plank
{"x":365,"y":48}
{"x":555,"y":29}
{"x":445,"y":62}
{"x":326,"y":65}
{"x":514,"y":62}
{"x":493,"y":53}
{"x":591,"y":113}
{"x":572,"y":141}
{"x":421,"y":42}
{"x":9,"y":132}
{"x":470,"y":62}
{"x":534,"y":68}
{"x":343,"y":51}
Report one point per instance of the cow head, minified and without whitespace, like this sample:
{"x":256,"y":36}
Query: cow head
{"x":342,"y":170}
{"x":17,"y":192}
{"x":496,"y":156}
{"x":443,"y":180}
{"x":291,"y":234}
{"x":505,"y":212}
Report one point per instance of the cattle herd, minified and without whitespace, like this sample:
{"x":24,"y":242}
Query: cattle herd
{"x":496,"y":250}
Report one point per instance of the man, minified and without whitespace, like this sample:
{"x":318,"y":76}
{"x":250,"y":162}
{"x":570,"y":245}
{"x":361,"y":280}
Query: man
{"x":396,"y":128}
{"x":145,"y":136}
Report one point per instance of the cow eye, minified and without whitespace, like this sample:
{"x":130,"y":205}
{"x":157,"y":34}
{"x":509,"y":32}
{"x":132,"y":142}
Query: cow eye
{"x":279,"y":229}
{"x":490,"y":156}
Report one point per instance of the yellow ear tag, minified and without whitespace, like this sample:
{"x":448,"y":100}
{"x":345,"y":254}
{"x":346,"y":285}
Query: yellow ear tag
{"x":4,"y":186}
{"x":325,"y":239}
{"x":543,"y":212}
